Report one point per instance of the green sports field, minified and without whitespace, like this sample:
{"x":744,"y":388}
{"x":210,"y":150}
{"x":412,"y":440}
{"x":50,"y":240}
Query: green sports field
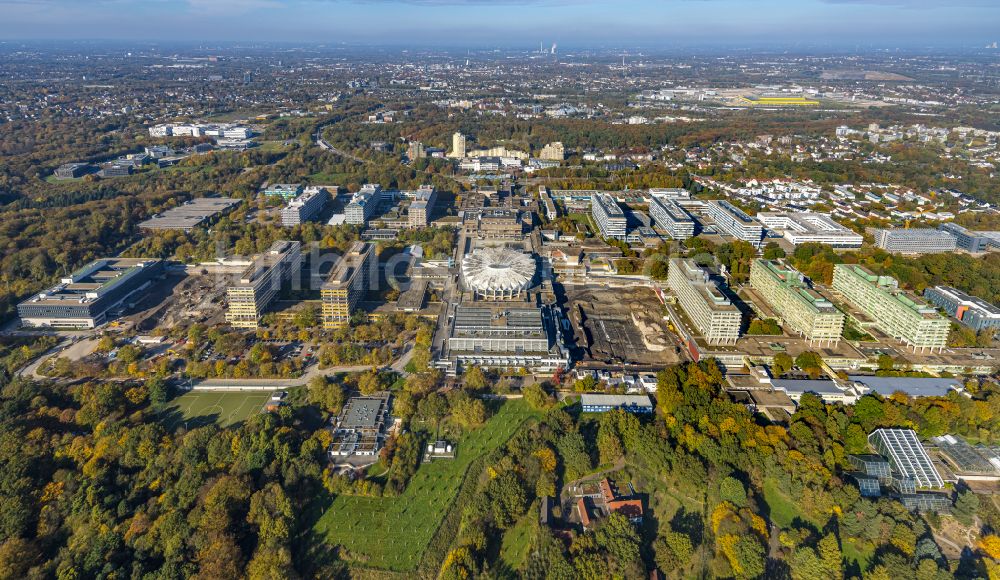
{"x":197,"y":408}
{"x":393,"y":532}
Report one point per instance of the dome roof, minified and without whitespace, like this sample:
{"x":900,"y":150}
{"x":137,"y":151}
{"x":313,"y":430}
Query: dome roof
{"x":491,"y":270}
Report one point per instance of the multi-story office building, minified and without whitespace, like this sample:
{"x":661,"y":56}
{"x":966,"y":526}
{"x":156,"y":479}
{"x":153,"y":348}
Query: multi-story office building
{"x":703,"y":300}
{"x":800,"y":228}
{"x":608,"y":216}
{"x":896,"y":313}
{"x":259,"y":284}
{"x":966,"y":239}
{"x":551,"y":212}
{"x":117,"y":170}
{"x":494,"y":223}
{"x":363,"y":204}
{"x":671,"y":217}
{"x":734,"y":221}
{"x":674,"y":193}
{"x":71,"y":170}
{"x":971,"y":311}
{"x":457,"y":146}
{"x":422,"y":207}
{"x":799,"y":306}
{"x":553,"y":151}
{"x":907,"y":456}
{"x":416,"y":150}
{"x":88,"y":297}
{"x":284,"y":190}
{"x":304,"y":207}
{"x":347,"y":284}
{"x":914,"y":241}
{"x":503,"y":336}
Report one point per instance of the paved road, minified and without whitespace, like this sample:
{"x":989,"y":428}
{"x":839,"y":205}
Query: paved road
{"x":31,"y":370}
{"x":323,"y":144}
{"x":313,"y":371}
{"x":400,"y":364}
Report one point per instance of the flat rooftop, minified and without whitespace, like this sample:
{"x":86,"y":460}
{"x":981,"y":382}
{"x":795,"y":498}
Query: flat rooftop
{"x":264,"y":263}
{"x":92,"y":281}
{"x":733,"y":211}
{"x":189,"y":215}
{"x":671,"y":207}
{"x":470,"y":318}
{"x":805,"y":223}
{"x":598,"y":399}
{"x":890,"y":286}
{"x":710,"y":290}
{"x":362,"y":413}
{"x":974,"y":302}
{"x":348,"y":264}
{"x":794,"y":281}
{"x":912,"y":386}
{"x":609,"y":205}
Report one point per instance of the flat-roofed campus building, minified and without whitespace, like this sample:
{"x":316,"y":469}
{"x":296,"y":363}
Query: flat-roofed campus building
{"x":800,"y":228}
{"x":304,"y":207}
{"x":608,"y":216}
{"x":285,"y":190}
{"x":504,"y":336}
{"x":671,"y":217}
{"x":347,"y":284}
{"x":363,"y":204}
{"x":601,"y":403}
{"x":799,"y":305}
{"x":898,"y":314}
{"x":914,"y":241}
{"x":360,"y":428}
{"x":71,"y":170}
{"x":422,"y":207}
{"x":87,"y":297}
{"x":494,"y":223}
{"x":260,"y":282}
{"x":674,"y":193}
{"x":704,"y":302}
{"x":971,"y":311}
{"x":968,"y":240}
{"x":734,"y":221}
{"x":907,"y":456}
{"x":189,"y":215}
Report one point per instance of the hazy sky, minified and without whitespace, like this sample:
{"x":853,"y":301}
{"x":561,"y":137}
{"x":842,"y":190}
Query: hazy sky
{"x":512,"y":22}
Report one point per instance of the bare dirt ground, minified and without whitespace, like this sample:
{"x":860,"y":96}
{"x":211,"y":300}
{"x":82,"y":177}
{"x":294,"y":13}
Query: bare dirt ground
{"x":621,"y":326}
{"x":184,"y":299}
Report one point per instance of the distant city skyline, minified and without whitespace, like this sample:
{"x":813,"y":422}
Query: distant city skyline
{"x":506,"y":23}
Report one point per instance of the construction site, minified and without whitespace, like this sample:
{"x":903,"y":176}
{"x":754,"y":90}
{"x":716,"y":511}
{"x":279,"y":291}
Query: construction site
{"x":182,"y":299}
{"x":621,"y":326}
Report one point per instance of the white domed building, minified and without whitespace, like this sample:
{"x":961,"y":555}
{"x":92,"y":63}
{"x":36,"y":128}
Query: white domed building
{"x":498,"y":273}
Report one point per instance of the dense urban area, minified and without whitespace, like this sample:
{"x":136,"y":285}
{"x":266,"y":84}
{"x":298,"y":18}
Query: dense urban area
{"x":318,"y":312}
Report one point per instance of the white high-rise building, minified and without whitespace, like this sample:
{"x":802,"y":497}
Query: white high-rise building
{"x":457,"y":146}
{"x":609,"y":216}
{"x":704,"y":302}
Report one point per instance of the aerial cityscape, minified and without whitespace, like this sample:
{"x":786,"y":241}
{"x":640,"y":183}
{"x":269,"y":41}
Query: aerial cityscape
{"x":287,"y":293}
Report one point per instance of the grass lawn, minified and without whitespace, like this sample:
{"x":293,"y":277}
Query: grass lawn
{"x":517,"y":540}
{"x":393,"y":532}
{"x":783,"y":510}
{"x":857,"y":551}
{"x":198,"y":408}
{"x":583,"y":218}
{"x":272,"y":146}
{"x":53,"y":179}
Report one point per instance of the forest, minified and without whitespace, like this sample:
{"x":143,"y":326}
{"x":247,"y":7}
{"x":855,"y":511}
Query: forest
{"x":93,"y":485}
